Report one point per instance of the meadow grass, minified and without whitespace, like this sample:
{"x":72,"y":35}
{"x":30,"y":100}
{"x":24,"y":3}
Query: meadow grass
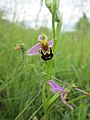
{"x":21,"y":79}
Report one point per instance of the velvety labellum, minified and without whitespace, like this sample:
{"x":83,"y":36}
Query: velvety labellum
{"x":47,"y":55}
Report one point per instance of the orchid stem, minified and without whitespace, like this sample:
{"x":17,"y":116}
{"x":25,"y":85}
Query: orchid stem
{"x":53,"y":29}
{"x":48,"y":65}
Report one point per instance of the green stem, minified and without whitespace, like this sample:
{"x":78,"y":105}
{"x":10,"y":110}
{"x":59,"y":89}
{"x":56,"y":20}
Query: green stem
{"x":54,"y":34}
{"x":46,"y":110}
{"x":48,"y":66}
{"x":53,"y":28}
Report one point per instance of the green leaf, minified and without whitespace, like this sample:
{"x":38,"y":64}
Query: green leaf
{"x":53,"y":99}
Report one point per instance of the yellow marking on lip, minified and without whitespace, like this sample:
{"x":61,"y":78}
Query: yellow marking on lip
{"x":45,"y":42}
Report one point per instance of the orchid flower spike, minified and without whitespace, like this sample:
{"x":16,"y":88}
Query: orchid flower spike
{"x":55,"y":88}
{"x":43,"y":47}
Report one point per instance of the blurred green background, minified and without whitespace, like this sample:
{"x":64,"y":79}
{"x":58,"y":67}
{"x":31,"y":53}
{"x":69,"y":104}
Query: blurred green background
{"x":22,"y":77}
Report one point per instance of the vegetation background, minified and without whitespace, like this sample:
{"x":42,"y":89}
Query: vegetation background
{"x":22,"y":77}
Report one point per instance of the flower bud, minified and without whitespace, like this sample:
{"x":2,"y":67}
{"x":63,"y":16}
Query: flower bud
{"x":53,"y":7}
{"x":20,"y":46}
{"x":57,"y":19}
{"x":48,"y":3}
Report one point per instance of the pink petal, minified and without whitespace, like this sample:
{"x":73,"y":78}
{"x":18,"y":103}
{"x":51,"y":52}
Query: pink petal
{"x":50,"y":43}
{"x":34,"y":50}
{"x":39,"y":38}
{"x":55,"y":87}
{"x":54,"y":90}
{"x":64,"y":101}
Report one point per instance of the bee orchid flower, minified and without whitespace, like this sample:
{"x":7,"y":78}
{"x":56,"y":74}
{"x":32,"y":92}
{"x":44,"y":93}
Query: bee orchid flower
{"x":55,"y":88}
{"x":43,"y":47}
